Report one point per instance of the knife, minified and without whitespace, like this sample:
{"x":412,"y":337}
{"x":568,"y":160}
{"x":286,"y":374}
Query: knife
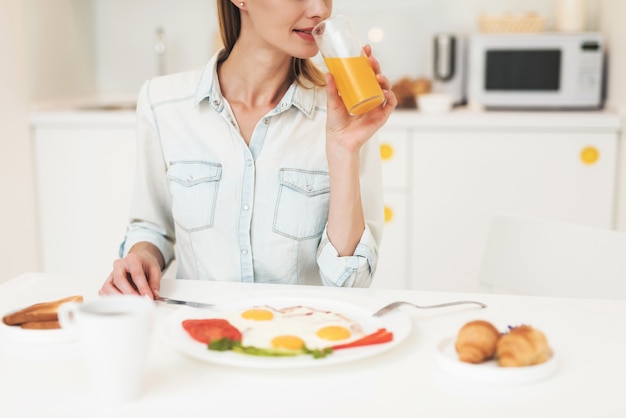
{"x":185,"y":302}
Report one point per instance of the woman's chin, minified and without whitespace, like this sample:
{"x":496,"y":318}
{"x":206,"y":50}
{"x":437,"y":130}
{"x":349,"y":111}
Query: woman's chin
{"x":306,"y":52}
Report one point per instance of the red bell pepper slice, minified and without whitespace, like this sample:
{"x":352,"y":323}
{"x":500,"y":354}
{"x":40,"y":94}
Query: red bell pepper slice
{"x":379,"y":337}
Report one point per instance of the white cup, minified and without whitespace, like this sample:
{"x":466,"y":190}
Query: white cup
{"x":114,"y":334}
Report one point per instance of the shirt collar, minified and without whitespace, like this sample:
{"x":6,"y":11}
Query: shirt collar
{"x":209,"y":89}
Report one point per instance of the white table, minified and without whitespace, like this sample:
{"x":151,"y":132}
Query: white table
{"x":48,"y":380}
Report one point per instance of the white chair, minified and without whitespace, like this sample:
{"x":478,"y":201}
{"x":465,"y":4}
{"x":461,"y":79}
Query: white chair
{"x":541,"y":257}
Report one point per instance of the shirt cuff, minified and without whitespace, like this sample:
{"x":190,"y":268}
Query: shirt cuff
{"x":356,"y":270}
{"x":137,"y":233}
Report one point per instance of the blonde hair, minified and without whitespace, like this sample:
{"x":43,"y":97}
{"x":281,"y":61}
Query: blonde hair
{"x":230,"y":25}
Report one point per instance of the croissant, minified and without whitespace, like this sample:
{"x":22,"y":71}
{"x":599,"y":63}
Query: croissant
{"x":522,"y":346}
{"x":476,"y":341}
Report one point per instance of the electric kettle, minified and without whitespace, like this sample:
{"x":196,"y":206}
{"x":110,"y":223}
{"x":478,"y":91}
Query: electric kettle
{"x":449,"y":66}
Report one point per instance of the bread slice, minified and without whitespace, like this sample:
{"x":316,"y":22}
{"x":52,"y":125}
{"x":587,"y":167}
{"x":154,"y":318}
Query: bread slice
{"x":39,"y":312}
{"x":41,"y":325}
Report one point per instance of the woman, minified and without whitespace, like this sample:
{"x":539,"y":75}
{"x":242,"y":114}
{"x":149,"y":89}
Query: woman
{"x":252,"y":167}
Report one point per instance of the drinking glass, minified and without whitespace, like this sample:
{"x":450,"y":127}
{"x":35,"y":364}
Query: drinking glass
{"x":342,"y":52}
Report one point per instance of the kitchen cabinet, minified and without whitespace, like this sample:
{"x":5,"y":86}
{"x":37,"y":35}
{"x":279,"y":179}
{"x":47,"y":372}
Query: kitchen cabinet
{"x":461,"y":180}
{"x":462,"y":169}
{"x":84,"y":165}
{"x":444,"y":178}
{"x":392,"y":261}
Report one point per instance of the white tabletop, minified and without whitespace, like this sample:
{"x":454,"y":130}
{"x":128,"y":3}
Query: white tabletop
{"x":48,"y":380}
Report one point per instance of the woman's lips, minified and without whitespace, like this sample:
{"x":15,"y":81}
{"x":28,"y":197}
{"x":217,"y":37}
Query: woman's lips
{"x":305,"y":34}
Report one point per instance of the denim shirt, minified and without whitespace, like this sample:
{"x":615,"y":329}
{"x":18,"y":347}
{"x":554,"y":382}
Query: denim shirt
{"x":232,"y":212}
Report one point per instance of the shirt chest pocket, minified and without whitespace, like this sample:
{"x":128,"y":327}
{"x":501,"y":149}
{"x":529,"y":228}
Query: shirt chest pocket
{"x":194,"y":186}
{"x":302,"y":204}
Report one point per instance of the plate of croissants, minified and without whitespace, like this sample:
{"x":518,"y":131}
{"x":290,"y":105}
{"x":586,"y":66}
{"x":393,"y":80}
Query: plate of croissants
{"x":482,"y":353}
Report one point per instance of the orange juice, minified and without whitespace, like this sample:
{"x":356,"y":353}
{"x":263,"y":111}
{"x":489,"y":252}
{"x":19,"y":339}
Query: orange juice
{"x":356,"y":83}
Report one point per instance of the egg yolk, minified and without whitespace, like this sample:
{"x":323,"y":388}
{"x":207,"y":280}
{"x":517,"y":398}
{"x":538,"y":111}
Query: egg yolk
{"x":258,"y":314}
{"x":333,"y":333}
{"x":287,"y":342}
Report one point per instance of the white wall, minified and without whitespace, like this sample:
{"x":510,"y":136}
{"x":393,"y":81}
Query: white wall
{"x":612,"y":22}
{"x":18,"y":246}
{"x":122,"y":33}
{"x":409,"y":25}
{"x":60,"y":48}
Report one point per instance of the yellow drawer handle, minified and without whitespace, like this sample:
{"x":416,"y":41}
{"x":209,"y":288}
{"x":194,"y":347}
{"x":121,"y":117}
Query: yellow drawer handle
{"x":386,"y":151}
{"x":388,"y":214}
{"x":589,"y":155}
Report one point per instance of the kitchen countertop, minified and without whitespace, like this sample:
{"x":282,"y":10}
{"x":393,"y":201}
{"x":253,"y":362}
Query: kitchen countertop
{"x":83,"y":113}
{"x":122,"y":114}
{"x":78,"y":118}
{"x":465,"y":118}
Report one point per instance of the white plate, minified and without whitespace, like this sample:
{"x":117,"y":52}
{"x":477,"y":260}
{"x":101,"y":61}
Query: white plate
{"x":396,"y":322}
{"x":489,"y":371}
{"x":44,"y":336}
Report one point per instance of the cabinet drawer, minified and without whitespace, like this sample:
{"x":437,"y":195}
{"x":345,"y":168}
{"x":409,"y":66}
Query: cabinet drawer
{"x":394,"y":155}
{"x":392,"y":255}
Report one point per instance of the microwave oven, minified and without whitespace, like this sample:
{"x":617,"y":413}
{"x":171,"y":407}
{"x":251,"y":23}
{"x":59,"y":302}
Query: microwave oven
{"x":537,"y":71}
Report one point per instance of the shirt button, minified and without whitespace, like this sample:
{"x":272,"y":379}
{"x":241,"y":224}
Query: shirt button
{"x":244,"y":252}
{"x":215,"y":102}
{"x":309,"y":188}
{"x":249,"y":163}
{"x":246,"y":207}
{"x":189,"y":178}
{"x":267,"y":121}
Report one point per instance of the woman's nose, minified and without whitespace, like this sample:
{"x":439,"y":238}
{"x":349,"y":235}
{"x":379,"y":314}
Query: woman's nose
{"x":320,"y":9}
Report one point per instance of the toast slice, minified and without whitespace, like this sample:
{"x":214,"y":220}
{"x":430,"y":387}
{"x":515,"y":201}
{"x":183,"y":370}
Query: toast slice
{"x":39,"y":312}
{"x":41,"y":325}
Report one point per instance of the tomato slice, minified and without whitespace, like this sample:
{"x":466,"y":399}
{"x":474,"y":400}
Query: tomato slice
{"x":213,"y":329}
{"x":378,"y":337}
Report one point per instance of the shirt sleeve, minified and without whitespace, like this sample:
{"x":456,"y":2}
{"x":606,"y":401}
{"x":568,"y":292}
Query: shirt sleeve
{"x":358,"y":269}
{"x":151,"y":206}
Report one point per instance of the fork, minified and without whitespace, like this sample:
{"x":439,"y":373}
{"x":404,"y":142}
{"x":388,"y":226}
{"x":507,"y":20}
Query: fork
{"x":385,"y":309}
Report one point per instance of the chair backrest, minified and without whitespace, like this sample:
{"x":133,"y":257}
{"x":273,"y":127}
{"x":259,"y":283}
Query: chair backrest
{"x":547,"y":258}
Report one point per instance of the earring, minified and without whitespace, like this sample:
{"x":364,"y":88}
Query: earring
{"x":241,"y":4}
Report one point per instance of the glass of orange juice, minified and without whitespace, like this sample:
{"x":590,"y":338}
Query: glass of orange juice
{"x":344,"y":57}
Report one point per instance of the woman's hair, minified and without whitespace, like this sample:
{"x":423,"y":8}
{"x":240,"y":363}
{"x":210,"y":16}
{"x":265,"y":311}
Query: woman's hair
{"x":230,"y":25}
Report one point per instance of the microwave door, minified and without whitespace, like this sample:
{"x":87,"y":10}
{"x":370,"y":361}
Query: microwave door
{"x":522,"y":78}
{"x":523,"y":70}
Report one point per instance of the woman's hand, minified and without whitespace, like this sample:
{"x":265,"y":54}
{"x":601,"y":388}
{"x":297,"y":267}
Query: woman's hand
{"x":139,"y":273}
{"x":349,"y":132}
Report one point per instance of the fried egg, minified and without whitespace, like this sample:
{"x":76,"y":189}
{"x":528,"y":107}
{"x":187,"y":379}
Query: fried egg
{"x":294,"y":327}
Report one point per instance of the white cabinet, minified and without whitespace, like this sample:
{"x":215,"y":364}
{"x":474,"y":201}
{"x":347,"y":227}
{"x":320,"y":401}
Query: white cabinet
{"x":84,"y":177}
{"x":460,"y":180}
{"x":393,"y":263}
{"x":462,"y":169}
{"x":444,"y":178}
